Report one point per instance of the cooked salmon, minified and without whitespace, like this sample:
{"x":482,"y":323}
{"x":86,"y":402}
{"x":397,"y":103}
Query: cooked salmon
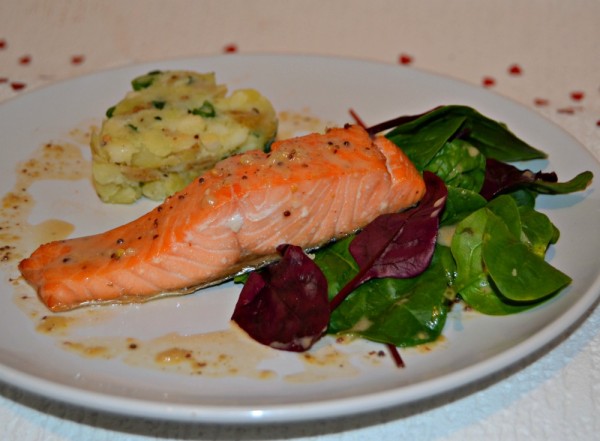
{"x":306,"y":191}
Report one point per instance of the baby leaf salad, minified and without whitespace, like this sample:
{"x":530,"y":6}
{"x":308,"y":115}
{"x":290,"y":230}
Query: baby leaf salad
{"x":476,"y":237}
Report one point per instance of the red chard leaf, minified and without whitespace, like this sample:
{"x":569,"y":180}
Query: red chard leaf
{"x":285,"y":306}
{"x":398,"y":245}
{"x":501,"y":177}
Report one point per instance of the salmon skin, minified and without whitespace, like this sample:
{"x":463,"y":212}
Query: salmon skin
{"x":306,"y":191}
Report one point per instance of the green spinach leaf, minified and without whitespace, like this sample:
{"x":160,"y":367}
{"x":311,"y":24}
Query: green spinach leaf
{"x":538,"y":232}
{"x":472,"y":280}
{"x":459,"y":204}
{"x":459,"y":164}
{"x":421,"y":145}
{"x":402,"y":312}
{"x":492,"y":138}
{"x":520,"y":274}
{"x":499,"y":252}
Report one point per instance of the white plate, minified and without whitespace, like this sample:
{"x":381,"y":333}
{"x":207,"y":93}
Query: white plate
{"x":474,"y":347}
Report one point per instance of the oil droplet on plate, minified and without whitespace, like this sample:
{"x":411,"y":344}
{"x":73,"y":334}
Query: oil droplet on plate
{"x":54,"y":324}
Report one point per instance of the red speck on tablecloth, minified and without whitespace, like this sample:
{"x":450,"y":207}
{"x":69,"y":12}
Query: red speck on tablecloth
{"x":17,"y":85}
{"x":25,"y":60}
{"x":77,"y":59}
{"x":230,"y":48}
{"x":577,"y":95}
{"x":515,"y":69}
{"x":488,"y":82}
{"x":405,"y":59}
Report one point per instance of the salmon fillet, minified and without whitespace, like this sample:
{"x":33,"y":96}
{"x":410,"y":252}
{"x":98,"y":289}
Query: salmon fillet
{"x":306,"y":191}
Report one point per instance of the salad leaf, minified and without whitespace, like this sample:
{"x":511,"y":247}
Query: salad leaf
{"x":500,"y":263}
{"x":375,"y":273}
{"x":459,"y":204}
{"x":401,"y":312}
{"x":537,"y":231}
{"x":285,"y":306}
{"x":337,"y":264}
{"x":398,"y":245}
{"x":459,"y":164}
{"x":524,"y":197}
{"x":491,"y":138}
{"x":423,"y":144}
{"x":501,"y":177}
{"x":507,"y":209}
{"x":525,"y":276}
{"x":472,"y":282}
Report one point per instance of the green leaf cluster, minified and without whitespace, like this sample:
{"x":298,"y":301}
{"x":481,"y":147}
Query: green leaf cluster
{"x":423,"y":137}
{"x":494,"y":259}
{"x":499,"y":252}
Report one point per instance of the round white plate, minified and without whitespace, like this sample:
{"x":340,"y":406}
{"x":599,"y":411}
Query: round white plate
{"x":474,"y":346}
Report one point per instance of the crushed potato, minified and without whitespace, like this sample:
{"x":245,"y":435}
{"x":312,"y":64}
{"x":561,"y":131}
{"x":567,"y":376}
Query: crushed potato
{"x":173,"y":126}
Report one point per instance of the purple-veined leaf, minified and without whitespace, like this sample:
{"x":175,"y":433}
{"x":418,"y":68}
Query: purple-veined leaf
{"x":398,"y":245}
{"x":500,"y":176}
{"x":285,"y":306}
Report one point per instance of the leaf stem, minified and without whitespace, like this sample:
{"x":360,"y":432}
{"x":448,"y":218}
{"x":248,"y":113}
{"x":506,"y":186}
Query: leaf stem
{"x":357,"y":119}
{"x":395,"y":355}
{"x":345,"y":291}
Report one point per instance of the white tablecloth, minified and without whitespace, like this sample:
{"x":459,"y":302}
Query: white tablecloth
{"x":543,"y":54}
